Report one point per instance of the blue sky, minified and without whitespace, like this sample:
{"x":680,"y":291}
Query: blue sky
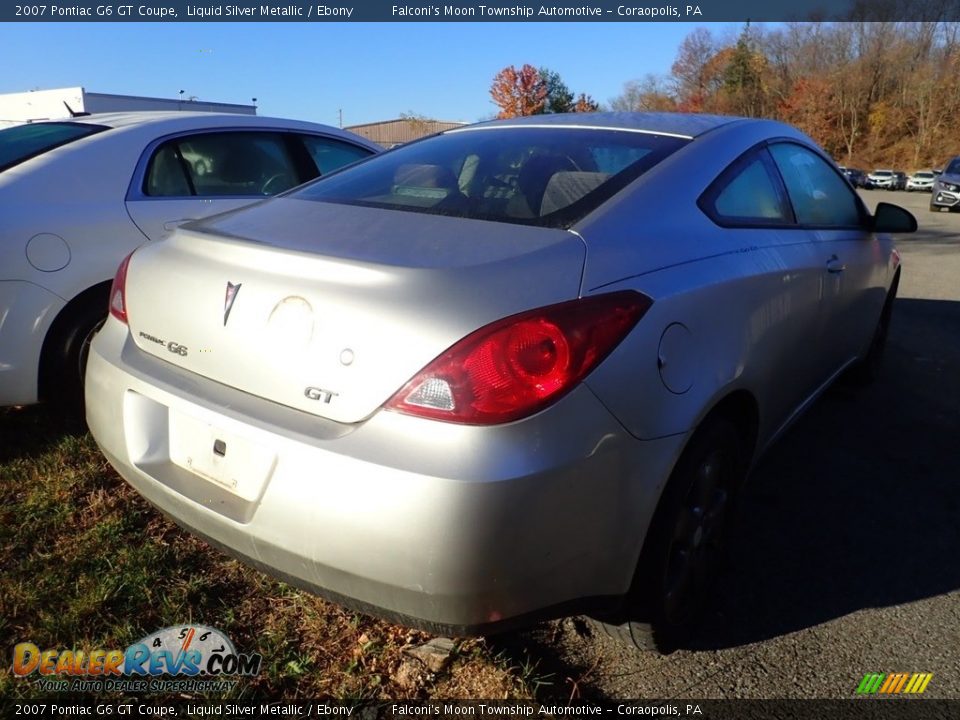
{"x":372,"y":71}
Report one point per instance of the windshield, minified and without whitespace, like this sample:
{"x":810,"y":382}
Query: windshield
{"x":521,"y":174}
{"x":923,"y":175}
{"x":882,"y":173}
{"x":954,"y":167}
{"x":23,"y":142}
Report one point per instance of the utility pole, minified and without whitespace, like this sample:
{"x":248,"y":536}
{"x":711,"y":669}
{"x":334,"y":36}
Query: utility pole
{"x":340,"y":112}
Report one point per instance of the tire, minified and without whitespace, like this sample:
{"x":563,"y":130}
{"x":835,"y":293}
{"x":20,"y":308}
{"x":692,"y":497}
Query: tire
{"x":65,"y":356}
{"x":684,"y":549}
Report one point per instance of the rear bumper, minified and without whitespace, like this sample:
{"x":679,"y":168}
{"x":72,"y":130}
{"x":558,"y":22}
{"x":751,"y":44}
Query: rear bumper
{"x":26,"y":313}
{"x":446,"y":527}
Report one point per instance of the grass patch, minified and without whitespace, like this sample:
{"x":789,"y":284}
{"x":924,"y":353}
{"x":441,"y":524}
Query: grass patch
{"x":86,"y":563}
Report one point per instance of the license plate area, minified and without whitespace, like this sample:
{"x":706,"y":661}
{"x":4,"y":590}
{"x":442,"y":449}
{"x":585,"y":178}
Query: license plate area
{"x":230,"y":460}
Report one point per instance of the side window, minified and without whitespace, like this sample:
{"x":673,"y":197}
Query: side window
{"x":819,"y":195}
{"x":329,"y":154}
{"x":166,"y":175}
{"x":221,"y":164}
{"x":749,"y":195}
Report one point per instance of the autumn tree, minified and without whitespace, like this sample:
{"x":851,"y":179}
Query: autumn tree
{"x":518,"y":92}
{"x":651,"y":94}
{"x":585,"y":103}
{"x":808,"y":107}
{"x":694,"y":73}
{"x":872,"y":92}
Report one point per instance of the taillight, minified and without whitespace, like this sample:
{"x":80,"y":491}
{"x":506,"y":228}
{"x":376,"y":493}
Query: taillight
{"x":516,"y":366}
{"x":118,"y":292}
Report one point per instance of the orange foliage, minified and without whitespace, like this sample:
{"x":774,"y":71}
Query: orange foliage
{"x":518,"y":92}
{"x":585,"y":103}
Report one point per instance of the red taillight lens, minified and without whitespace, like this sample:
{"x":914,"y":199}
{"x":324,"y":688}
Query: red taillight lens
{"x":118,"y":292}
{"x":514,"y":367}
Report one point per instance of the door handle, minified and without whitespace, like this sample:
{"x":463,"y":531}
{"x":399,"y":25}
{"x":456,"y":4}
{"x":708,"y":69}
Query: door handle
{"x":835,"y":266}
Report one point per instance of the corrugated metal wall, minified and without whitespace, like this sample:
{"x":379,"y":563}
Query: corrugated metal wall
{"x":395,"y":132}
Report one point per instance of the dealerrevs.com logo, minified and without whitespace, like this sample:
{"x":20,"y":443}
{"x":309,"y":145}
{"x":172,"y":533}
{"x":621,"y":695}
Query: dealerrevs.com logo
{"x":180,"y":657}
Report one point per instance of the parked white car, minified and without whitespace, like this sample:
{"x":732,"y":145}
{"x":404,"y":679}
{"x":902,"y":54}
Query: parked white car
{"x":78,"y":195}
{"x":921,"y":180}
{"x":881,"y":179}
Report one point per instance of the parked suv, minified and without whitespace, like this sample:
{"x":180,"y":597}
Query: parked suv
{"x":946,"y":188}
{"x":921,"y":180}
{"x":881,"y":179}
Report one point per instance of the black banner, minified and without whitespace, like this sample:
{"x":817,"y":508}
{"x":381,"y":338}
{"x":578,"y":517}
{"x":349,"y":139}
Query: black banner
{"x":858,"y":709}
{"x":483,"y":11}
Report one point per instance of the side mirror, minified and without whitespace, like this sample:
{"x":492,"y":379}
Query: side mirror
{"x":893,"y":219}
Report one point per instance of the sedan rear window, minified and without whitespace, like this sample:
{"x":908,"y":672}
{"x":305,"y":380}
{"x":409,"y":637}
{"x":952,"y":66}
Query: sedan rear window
{"x":22,"y":142}
{"x":527,"y":175}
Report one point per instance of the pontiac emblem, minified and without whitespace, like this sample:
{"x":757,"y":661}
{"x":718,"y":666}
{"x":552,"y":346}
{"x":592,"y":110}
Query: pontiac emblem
{"x":232,"y":291}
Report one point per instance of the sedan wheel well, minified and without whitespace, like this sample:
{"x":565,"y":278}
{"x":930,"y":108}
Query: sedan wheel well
{"x":60,"y":329}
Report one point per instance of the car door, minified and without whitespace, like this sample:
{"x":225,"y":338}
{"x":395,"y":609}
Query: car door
{"x":851,"y":271}
{"x":749,"y":199}
{"x":194,"y":175}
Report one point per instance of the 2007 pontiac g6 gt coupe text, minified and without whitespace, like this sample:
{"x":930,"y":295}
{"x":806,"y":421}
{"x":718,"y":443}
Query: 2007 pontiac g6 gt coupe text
{"x":515,"y":370}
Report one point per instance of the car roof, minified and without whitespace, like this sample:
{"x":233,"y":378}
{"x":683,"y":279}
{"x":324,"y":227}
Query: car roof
{"x":162,"y":122}
{"x":187,"y":119}
{"x":687,"y":125}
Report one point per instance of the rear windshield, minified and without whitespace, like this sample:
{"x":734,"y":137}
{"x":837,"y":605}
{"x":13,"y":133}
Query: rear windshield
{"x":527,"y":175}
{"x":23,"y":142}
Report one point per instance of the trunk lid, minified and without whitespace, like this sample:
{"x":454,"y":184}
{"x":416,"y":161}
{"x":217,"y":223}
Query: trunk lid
{"x":330,"y":308}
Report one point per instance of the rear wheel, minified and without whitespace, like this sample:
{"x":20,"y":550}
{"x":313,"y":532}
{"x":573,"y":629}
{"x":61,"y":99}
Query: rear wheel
{"x":684,"y":550}
{"x":65,"y":355}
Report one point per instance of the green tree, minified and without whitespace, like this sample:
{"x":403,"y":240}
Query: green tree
{"x":743,"y":77}
{"x":559,"y":97}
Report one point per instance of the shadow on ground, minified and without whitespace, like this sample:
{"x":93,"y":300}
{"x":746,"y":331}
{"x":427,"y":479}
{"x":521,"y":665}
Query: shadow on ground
{"x":856,"y":507}
{"x":29,"y":431}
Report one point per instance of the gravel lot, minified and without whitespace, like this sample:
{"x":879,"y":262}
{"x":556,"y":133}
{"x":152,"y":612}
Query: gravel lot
{"x":845,"y":559}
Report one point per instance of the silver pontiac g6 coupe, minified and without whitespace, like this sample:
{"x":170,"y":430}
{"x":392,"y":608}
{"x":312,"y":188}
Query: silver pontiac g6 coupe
{"x":516,"y":370}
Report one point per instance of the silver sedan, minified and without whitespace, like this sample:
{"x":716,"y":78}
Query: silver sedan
{"x":515,"y":370}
